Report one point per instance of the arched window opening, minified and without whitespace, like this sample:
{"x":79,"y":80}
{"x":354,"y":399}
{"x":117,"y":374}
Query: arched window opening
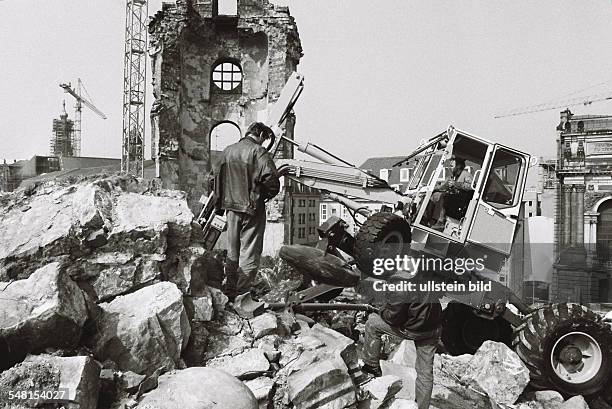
{"x":604,"y":231}
{"x":227,"y":77}
{"x":223,"y":135}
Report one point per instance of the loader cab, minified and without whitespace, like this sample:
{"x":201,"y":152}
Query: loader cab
{"x":467,"y":190}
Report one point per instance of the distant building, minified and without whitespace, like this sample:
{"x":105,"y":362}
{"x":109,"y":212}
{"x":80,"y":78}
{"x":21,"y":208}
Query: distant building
{"x":396,"y":177}
{"x":381,"y":167}
{"x":583,"y":222}
{"x":305,"y":217}
{"x":63,"y":139}
{"x":330,"y":208}
{"x":45,"y":167}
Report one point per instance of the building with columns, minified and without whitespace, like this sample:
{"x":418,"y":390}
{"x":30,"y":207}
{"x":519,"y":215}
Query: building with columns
{"x":583,"y":221}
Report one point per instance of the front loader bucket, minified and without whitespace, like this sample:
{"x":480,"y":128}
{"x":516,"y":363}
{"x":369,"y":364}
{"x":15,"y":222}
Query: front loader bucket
{"x":321,"y":267}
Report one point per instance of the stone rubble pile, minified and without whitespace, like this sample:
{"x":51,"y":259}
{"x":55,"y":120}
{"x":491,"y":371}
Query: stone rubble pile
{"x":105,"y":293}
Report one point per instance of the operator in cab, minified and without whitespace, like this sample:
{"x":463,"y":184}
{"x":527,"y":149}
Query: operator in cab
{"x":418,"y":318}
{"x":248,"y":178}
{"x":453,"y":193}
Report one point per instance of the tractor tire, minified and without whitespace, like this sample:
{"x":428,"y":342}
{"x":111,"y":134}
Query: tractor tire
{"x":567,"y":348}
{"x":382,"y":235}
{"x":463,"y":332}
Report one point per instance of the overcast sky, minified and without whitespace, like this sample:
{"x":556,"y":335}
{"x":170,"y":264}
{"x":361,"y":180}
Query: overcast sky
{"x":380,"y":75}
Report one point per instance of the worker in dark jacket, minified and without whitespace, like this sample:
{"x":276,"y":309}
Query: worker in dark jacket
{"x":418,"y":321}
{"x":248,"y":179}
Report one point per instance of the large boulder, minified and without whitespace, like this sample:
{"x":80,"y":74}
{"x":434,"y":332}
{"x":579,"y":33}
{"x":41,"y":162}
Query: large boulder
{"x":498,"y":371}
{"x":145,"y":330}
{"x":76,"y":380}
{"x":117,"y":232}
{"x":247,"y":365}
{"x":325,"y":384}
{"x":321,"y":368}
{"x":45,"y":310}
{"x":199,"y":388}
{"x":449,"y":391}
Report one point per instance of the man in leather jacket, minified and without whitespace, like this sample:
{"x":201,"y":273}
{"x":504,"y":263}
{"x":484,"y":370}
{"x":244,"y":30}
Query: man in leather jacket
{"x":248,"y":179}
{"x":418,"y":320}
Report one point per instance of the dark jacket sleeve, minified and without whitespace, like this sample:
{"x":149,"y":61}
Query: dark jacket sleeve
{"x":412,"y":316}
{"x":267,"y":179}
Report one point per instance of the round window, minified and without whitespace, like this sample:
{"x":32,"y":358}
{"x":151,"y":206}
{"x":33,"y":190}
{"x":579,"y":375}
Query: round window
{"x":227,"y":76}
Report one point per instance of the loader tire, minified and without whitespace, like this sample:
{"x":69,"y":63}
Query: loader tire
{"x":463,"y":332}
{"x":382,"y":235}
{"x":568,"y":348}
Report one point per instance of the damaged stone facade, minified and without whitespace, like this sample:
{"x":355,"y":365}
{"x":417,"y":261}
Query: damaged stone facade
{"x":189,"y":40}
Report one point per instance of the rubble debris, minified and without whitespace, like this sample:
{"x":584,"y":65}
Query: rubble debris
{"x":577,"y":402}
{"x":401,"y":363}
{"x":548,"y":399}
{"x":144,"y":330}
{"x":247,"y":365}
{"x":498,"y":371}
{"x":450,"y":391}
{"x":47,"y":309}
{"x":381,"y":391}
{"x":265,"y":324}
{"x":130,"y":381}
{"x":261,"y":388}
{"x":404,"y":404}
{"x":199,"y":309}
{"x":320,"y":384}
{"x":78,"y":377}
{"x":197,"y":388}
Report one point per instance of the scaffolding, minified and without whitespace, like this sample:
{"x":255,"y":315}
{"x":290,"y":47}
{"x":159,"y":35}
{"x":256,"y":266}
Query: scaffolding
{"x":63,"y":141}
{"x":134,"y":87}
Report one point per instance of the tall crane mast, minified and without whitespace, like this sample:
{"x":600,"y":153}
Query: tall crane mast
{"x":80,"y":101}
{"x":134,"y":87}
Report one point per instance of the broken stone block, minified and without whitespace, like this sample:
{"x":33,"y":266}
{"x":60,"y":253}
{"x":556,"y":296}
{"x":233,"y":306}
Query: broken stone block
{"x":49,"y":227}
{"x":116,"y":278}
{"x":338,"y":344}
{"x":247,"y":365}
{"x":406,"y":374}
{"x":498,"y":371}
{"x":130,"y":381}
{"x":78,"y":377}
{"x":145,"y":330}
{"x":449,"y":391}
{"x":577,"y":402}
{"x":261,"y":388}
{"x":198,"y":388}
{"x":218,"y":298}
{"x":191,"y":268}
{"x":404,"y":354}
{"x":265,"y":324}
{"x":45,"y":310}
{"x":288,"y":323}
{"x":549,"y":399}
{"x":200,"y":308}
{"x":325,"y":384}
{"x":403,"y":404}
{"x":383,"y":388}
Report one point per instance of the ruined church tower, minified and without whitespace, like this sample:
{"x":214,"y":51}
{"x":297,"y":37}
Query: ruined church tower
{"x":217,"y":67}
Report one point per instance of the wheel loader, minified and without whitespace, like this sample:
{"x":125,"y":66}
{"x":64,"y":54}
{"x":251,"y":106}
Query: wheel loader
{"x":566,"y":347}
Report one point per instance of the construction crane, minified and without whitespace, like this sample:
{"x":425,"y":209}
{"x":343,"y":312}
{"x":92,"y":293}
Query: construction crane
{"x":80,"y":101}
{"x":566,"y":103}
{"x":134,"y":87}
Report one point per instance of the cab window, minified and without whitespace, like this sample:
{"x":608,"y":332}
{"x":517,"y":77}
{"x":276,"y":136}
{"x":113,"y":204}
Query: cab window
{"x":503,"y":182}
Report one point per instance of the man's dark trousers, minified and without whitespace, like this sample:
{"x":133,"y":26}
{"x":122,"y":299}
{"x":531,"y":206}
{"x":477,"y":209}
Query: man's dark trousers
{"x":425,"y":351}
{"x":245,"y":235}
